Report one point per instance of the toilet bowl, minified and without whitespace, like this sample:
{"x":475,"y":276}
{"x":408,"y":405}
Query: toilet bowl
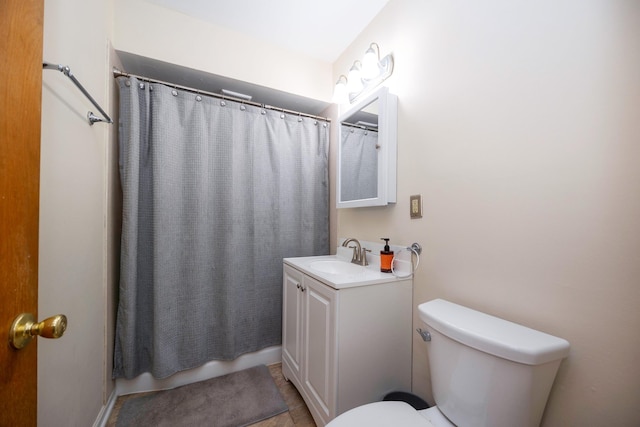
{"x":391,"y":414}
{"x":382,"y":414}
{"x":485,"y":372}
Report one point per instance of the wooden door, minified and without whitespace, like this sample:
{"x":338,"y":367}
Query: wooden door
{"x":20,"y":101}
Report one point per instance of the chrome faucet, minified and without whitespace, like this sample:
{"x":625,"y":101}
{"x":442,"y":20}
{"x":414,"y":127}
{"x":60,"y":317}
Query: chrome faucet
{"x":359,"y":253}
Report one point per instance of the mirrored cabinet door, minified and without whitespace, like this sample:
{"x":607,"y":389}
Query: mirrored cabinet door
{"x":367,"y":152}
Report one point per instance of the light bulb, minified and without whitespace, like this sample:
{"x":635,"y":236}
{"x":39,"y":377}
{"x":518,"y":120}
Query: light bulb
{"x":370,"y":67}
{"x":340,"y":94}
{"x":354,"y":79}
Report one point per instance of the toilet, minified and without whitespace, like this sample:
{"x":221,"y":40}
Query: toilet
{"x":485,"y":372}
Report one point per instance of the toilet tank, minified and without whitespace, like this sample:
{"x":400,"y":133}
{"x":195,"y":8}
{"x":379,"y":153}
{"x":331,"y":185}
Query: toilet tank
{"x":486,"y":371}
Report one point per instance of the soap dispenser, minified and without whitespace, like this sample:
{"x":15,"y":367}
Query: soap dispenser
{"x":386,"y":257}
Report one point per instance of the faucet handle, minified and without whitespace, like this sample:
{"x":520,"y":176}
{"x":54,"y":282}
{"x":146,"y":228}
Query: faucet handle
{"x":363,"y":256}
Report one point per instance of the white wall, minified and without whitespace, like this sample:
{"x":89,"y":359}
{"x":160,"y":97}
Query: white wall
{"x":160,"y":33}
{"x":518,"y":124}
{"x":73,"y":378}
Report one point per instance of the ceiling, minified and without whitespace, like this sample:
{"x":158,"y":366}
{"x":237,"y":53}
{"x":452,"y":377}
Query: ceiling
{"x":322,"y":29}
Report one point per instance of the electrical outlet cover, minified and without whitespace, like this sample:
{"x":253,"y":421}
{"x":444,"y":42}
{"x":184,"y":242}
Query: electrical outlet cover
{"x":415,"y":206}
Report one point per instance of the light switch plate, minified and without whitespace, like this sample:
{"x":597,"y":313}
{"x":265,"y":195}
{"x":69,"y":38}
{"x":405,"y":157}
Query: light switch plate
{"x":415,"y":206}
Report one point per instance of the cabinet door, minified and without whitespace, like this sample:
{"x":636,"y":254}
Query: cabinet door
{"x":291,"y":323}
{"x":319,"y":346}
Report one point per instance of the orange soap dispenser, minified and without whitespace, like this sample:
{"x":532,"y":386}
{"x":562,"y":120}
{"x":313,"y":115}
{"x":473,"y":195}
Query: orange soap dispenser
{"x":386,"y":257}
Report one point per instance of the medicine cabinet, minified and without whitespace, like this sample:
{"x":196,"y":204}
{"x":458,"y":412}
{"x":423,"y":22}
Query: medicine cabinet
{"x":367,"y":151}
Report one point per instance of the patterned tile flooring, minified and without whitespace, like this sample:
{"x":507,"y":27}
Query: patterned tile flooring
{"x":297,"y":416}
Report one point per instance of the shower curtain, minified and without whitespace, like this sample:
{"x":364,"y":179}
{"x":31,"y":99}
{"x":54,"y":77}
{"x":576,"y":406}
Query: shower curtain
{"x":358,"y":163}
{"x":215,"y":194}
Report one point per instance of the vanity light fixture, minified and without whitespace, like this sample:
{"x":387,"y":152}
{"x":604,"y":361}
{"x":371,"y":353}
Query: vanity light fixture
{"x":363,"y":76}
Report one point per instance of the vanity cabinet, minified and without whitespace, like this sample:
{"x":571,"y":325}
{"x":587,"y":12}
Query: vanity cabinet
{"x":346,"y":347}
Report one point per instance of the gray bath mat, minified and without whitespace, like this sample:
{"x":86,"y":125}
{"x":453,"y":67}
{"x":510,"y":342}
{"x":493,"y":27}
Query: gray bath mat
{"x":232,"y":400}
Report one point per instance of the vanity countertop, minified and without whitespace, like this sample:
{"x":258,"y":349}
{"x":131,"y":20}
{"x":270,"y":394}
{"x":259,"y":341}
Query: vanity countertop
{"x":361,"y":276}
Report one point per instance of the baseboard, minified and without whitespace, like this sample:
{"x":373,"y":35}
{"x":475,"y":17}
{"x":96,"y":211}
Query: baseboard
{"x":105,"y":412}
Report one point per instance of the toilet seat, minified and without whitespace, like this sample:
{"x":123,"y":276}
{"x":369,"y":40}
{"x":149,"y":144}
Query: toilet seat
{"x":381,"y":414}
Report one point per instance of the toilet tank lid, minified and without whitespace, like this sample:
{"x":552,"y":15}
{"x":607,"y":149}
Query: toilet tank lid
{"x":491,"y":334}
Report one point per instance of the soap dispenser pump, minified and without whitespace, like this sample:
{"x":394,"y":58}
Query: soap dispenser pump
{"x":386,"y":257}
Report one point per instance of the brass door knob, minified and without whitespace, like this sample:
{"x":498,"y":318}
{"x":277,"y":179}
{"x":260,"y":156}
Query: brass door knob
{"x":25,"y":328}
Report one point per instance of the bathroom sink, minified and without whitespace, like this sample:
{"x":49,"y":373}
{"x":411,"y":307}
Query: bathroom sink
{"x":338,"y":272}
{"x":337,"y":267}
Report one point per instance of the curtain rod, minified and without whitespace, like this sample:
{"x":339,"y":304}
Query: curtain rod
{"x":363,"y":127}
{"x":67,"y":72}
{"x":118,"y":73}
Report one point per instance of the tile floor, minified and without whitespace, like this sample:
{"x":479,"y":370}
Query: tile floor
{"x":297,"y":416}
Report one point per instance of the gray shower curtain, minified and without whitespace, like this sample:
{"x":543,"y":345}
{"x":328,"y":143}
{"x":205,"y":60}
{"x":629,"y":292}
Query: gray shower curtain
{"x":215,"y":194}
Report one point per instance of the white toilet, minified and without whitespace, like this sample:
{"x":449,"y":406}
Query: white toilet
{"x":485,"y":371}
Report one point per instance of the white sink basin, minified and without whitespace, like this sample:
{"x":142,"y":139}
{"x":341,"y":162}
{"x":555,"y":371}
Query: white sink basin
{"x":337,"y":272}
{"x":337,"y":267}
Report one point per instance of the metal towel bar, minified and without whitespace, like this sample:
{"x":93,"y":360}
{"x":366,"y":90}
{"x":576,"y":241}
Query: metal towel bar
{"x":67,"y":72}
